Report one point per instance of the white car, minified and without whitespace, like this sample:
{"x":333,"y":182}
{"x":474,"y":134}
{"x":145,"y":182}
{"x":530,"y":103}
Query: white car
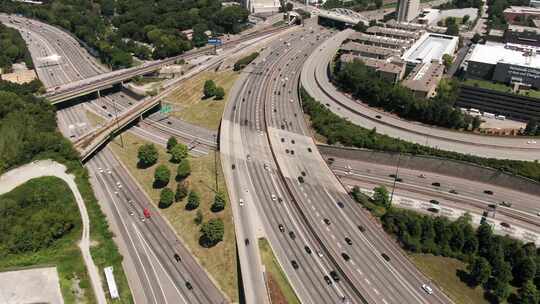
{"x":427,"y":288}
{"x":319,"y":254}
{"x":531,"y":142}
{"x":241,"y":202}
{"x":274,"y":197}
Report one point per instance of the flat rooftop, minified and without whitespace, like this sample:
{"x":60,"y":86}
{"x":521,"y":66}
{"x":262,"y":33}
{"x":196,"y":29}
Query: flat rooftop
{"x":382,"y":65}
{"x":522,"y":10}
{"x":358,"y":47}
{"x":515,"y":54}
{"x":424,"y":77}
{"x":521,"y":29}
{"x":408,"y":26}
{"x":361,"y":37}
{"x":379,"y":30}
{"x":431,"y":47}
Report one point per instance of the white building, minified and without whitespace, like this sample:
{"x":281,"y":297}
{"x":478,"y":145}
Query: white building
{"x":430,"y":47}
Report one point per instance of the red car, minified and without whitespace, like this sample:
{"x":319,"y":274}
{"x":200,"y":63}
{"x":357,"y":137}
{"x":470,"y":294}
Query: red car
{"x":146,"y":213}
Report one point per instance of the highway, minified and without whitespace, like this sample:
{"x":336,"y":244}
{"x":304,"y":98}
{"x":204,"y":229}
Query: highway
{"x":316,"y":82}
{"x":267,"y":126}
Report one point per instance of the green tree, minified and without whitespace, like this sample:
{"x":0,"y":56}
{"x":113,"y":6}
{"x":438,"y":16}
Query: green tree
{"x":466,"y":19}
{"x":381,"y":196}
{"x":524,"y":270}
{"x":147,"y":155}
{"x":532,"y":127}
{"x":193,"y":200}
{"x":171,"y":143}
{"x":162,"y":175}
{"x":479,"y":271}
{"x":360,"y":27}
{"x":219,"y":202}
{"x":166,"y":198}
{"x":476,"y":38}
{"x":447,"y":61}
{"x":178,"y":153}
{"x":528,"y":294}
{"x":209,"y":89}
{"x":199,"y":38}
{"x":198,"y":217}
{"x":181,"y":191}
{"x":183,"y":170}
{"x":219,"y":93}
{"x":476,"y":122}
{"x":501,"y":290}
{"x":212,"y":232}
{"x":451,"y":27}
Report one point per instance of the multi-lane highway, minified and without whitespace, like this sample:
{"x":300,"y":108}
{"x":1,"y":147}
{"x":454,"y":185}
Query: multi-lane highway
{"x":317,"y":83}
{"x":268,"y":152}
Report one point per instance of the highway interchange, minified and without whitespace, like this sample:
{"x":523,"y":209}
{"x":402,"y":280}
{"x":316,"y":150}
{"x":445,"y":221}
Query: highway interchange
{"x":280,"y":186}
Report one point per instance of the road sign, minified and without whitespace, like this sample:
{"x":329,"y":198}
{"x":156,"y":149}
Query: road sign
{"x":214,"y":41}
{"x":165,"y":109}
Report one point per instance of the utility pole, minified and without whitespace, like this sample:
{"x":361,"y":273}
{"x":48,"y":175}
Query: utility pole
{"x":395,"y":179}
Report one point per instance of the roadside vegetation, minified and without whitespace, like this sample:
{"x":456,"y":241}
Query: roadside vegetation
{"x":339,"y":131}
{"x":29,"y":132}
{"x":12,"y":49}
{"x":148,"y":29}
{"x":190,"y":199}
{"x":506,"y":269}
{"x":243,"y":62}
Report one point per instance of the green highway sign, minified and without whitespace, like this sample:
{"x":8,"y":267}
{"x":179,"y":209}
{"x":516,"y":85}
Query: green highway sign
{"x":165,"y":109}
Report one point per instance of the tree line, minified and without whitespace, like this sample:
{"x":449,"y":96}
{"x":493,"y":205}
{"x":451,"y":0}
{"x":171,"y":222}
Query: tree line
{"x":495,"y":12}
{"x":340,"y":131}
{"x":148,"y":29}
{"x":365,"y":84}
{"x":12,"y":49}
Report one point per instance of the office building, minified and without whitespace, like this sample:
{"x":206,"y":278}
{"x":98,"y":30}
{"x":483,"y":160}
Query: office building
{"x":407,"y":10}
{"x":522,"y":35}
{"x":520,"y":14}
{"x":424,"y":79}
{"x":430,"y":47}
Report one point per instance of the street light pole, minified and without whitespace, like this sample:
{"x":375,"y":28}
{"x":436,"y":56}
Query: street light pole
{"x":395,"y":179}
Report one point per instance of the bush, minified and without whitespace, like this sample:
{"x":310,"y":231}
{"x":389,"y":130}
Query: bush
{"x":148,"y":155}
{"x":178,"y":152}
{"x":181,"y":191}
{"x":183,"y":170}
{"x":198,"y":217}
{"x":243,"y":62}
{"x":166,"y":198}
{"x":219,"y":202}
{"x":193,"y":201}
{"x":212,"y":232}
{"x":209,"y":89}
{"x":171,"y":143}
{"x":162,"y":175}
{"x":219,"y":93}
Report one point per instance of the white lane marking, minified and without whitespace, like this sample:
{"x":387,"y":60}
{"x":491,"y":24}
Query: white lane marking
{"x":359,"y":271}
{"x":317,"y":214}
{"x":339,"y":245}
{"x":367,"y":281}
{"x":376,"y":291}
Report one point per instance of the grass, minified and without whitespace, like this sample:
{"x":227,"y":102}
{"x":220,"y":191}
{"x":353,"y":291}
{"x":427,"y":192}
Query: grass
{"x":189,"y":104}
{"x":64,"y":252}
{"x":280,"y":288}
{"x":500,"y":87}
{"x":220,"y":260}
{"x":443,"y":271}
{"x":94,"y":119}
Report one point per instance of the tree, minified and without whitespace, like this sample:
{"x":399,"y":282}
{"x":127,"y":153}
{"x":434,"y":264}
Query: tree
{"x":181,"y":191}
{"x":476,"y":122}
{"x":381,"y":196}
{"x":183,"y":170}
{"x":209,"y":89}
{"x":524,"y":270}
{"x":198,"y":217}
{"x":447,"y":61}
{"x":147,"y":155}
{"x":360,"y":27}
{"x":532,"y":127}
{"x":193,"y":201}
{"x":479,"y":271}
{"x":171,"y":143}
{"x":451,"y":27}
{"x":212,"y":232}
{"x":166,"y":198}
{"x":528,"y":294}
{"x":219,"y":93}
{"x":219,"y":202}
{"x":162,"y":175}
{"x":466,"y":18}
{"x":289,"y":6}
{"x":501,"y":290}
{"x":476,"y":38}
{"x":178,"y":153}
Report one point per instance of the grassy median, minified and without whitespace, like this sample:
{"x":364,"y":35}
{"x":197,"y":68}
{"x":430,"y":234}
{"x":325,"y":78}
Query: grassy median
{"x":279,"y":287}
{"x":219,"y":260}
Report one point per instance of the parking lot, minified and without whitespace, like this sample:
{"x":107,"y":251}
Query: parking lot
{"x":37,"y":285}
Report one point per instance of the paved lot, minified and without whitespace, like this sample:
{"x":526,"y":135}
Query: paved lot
{"x":40,"y":285}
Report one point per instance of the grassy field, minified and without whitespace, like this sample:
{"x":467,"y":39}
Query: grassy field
{"x":64,"y":252}
{"x":188,"y":102}
{"x":501,"y":87}
{"x":443,"y":271}
{"x":281,"y":291}
{"x":220,"y":260}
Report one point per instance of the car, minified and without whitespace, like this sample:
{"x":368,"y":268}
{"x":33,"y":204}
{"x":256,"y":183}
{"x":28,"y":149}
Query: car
{"x":334,"y":275}
{"x":266,"y":167}
{"x":427,"y":288}
{"x":308,"y":250}
{"x":506,"y":204}
{"x":489,"y":192}
{"x":340,"y":204}
{"x":531,"y":142}
{"x":492,"y":206}
{"x":378,"y":116}
{"x":146,"y":213}
{"x":345,"y":256}
{"x":294,"y":264}
{"x":177,"y":257}
{"x":434,"y":202}
{"x":505,"y":225}
{"x":292,"y":152}
{"x":361,"y":228}
{"x":385,"y":256}
{"x":188,"y":285}
{"x":434,"y":210}
{"x":292,"y":235}
{"x":281,"y":228}
{"x":301,"y":179}
{"x":321,"y":255}
{"x":348,"y":241}
{"x":326,"y":221}
{"x":233,"y":166}
{"x":246,"y":241}
{"x":241,"y":202}
{"x":274,"y":197}
{"x":436,"y":184}
{"x":453,"y":191}
{"x":303,"y":173}
{"x":309,"y":149}
{"x":282,"y":139}
{"x":327,"y":280}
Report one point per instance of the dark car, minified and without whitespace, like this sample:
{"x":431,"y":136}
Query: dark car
{"x":327,"y":280}
{"x":348,"y":241}
{"x":233,"y":166}
{"x":378,"y":116}
{"x":488,"y":192}
{"x":387,"y":258}
{"x":177,"y":257}
{"x":340,"y":204}
{"x":334,"y":275}
{"x":436,"y":184}
{"x":435,"y":202}
{"x":292,"y":235}
{"x":301,"y":179}
{"x":506,"y":225}
{"x":453,"y":191}
{"x":308,"y":250}
{"x":434,"y":210}
{"x":246,"y":241}
{"x":326,"y":221}
{"x":361,"y":228}
{"x":188,"y":285}
{"x":294,"y":264}
{"x":345,"y":256}
{"x":281,"y":228}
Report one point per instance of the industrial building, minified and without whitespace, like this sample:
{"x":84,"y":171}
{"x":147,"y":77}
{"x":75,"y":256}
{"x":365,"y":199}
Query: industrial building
{"x":391,"y":69}
{"x":407,"y":10}
{"x":430,"y":47}
{"x":522,"y":35}
{"x":424,"y":79}
{"x":506,"y":63}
